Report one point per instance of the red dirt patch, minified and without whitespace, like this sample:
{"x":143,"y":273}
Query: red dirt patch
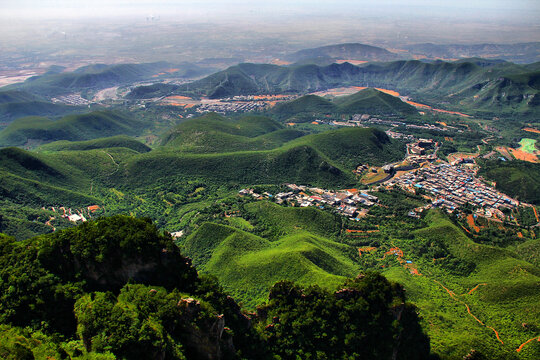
{"x":536,"y":131}
{"x":522,"y":155}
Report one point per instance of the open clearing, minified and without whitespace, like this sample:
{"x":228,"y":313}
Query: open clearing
{"x":528,"y":145}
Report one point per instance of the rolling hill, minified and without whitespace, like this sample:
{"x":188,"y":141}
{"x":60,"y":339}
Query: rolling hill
{"x":304,"y":108}
{"x":314,"y":159}
{"x":72,"y":127}
{"x":516,"y":178}
{"x":472,"y":310}
{"x":350,"y":51}
{"x":101,"y":143}
{"x":247,"y":265}
{"x":10,"y":111}
{"x":372,"y":101}
{"x":301,"y":164}
{"x":213,"y":133}
{"x":351,"y":146}
{"x":512,"y":95}
{"x":524,"y":53}
{"x":9,"y":96}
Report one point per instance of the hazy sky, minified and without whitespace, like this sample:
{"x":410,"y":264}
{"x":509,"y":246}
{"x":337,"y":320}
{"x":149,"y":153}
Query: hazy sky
{"x":527,"y":10}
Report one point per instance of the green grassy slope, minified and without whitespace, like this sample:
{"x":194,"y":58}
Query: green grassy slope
{"x":248,"y":265}
{"x":352,"y":146}
{"x":509,"y":95}
{"x":281,"y":220}
{"x":506,"y":296}
{"x":72,"y":127}
{"x":101,"y":143}
{"x":56,"y":178}
{"x":10,"y":96}
{"x":312,"y":159}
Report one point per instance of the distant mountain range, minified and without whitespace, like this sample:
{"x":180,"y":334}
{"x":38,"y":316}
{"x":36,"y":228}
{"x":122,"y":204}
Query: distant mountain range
{"x":101,"y":76}
{"x":518,"y":53}
{"x":351,"y":51}
{"x":466,"y":84}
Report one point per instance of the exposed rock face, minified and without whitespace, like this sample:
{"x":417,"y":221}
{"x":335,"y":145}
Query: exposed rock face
{"x":346,"y":294}
{"x":206,"y":341}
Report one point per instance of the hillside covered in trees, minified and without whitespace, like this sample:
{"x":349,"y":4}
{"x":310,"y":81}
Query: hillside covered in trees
{"x":117,"y":288}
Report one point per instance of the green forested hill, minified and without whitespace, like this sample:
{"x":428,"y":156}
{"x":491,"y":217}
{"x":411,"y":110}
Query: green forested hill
{"x":372,"y":101}
{"x":101,"y":143}
{"x":248,"y":265}
{"x":72,"y":127}
{"x":351,"y":146}
{"x":301,"y":164}
{"x":14,"y":96}
{"x":297,"y":246}
{"x":13,"y":110}
{"x":117,"y":288}
{"x":517,"y":178}
{"x":215,"y":133}
{"x":88,"y":77}
{"x":458,"y":276}
{"x":305,"y":105}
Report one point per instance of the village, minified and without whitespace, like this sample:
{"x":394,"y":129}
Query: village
{"x":73,"y":215}
{"x":446,"y":185}
{"x":351,"y":202}
{"x":454,"y":185}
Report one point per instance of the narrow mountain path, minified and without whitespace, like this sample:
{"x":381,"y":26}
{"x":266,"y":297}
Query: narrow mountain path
{"x":114,"y":162}
{"x":526,"y":342}
{"x":454,"y":296}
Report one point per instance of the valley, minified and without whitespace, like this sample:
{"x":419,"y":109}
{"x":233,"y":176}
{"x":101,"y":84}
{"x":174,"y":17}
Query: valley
{"x":313,"y":179}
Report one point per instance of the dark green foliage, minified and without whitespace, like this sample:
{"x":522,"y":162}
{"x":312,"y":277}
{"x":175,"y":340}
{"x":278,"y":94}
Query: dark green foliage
{"x":300,"y":164}
{"x":57,"y":268}
{"x":125,"y":291}
{"x":21,"y":344}
{"x":438,"y":250}
{"x":14,"y":110}
{"x":516,"y":178}
{"x":15,"y":96}
{"x":366,"y":319}
{"x":141,"y":322}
